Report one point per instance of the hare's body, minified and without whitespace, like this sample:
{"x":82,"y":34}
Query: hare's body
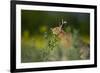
{"x":65,"y":38}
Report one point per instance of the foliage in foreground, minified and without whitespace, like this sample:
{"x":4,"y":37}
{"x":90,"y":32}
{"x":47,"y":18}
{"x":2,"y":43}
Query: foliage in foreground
{"x":52,"y":51}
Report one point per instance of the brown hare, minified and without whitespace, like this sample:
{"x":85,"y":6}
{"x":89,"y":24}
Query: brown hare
{"x":65,"y":37}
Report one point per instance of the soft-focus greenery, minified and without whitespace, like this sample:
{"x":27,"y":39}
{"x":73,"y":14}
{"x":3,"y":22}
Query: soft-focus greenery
{"x":38,"y":44}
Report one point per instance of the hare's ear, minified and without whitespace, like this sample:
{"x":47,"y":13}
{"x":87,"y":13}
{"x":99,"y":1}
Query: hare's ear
{"x":61,"y":26}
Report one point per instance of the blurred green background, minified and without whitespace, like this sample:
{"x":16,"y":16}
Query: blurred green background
{"x":35,"y":25}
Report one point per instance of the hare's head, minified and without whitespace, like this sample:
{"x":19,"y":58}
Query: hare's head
{"x":56,"y":30}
